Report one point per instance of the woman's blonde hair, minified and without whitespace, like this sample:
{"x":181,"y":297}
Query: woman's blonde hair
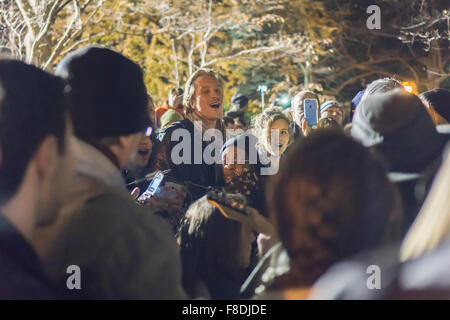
{"x":432,"y":224}
{"x":189,"y":88}
{"x":262,"y":124}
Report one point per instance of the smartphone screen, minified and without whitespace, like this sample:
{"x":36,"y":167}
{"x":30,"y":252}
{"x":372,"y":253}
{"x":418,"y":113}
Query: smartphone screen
{"x":311,"y":111}
{"x":153,"y":187}
{"x":155,"y":183}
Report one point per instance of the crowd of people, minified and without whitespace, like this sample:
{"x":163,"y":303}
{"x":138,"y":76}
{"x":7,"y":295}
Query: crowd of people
{"x":313,"y":204}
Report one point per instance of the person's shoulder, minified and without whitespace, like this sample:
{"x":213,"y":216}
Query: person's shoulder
{"x":167,"y":132}
{"x":17,"y":283}
{"x":444,"y":129}
{"x":358,"y":276}
{"x":118,"y":215}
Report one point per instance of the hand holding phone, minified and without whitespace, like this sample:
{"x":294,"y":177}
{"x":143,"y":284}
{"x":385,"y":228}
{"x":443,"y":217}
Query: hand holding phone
{"x":311,"y":111}
{"x":152,"y":187}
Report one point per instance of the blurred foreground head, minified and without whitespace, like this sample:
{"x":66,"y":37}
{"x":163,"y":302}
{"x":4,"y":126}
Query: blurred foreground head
{"x":214,"y":251}
{"x":331,"y":199}
{"x":107,"y":94}
{"x":437,"y":102}
{"x":34,"y":140}
{"x":107,"y":100}
{"x":397,"y":125}
{"x":380,"y":86}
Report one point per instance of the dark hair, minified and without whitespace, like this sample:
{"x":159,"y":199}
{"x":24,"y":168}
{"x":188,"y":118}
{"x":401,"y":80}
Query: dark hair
{"x":31,"y":108}
{"x":242,"y":121}
{"x":173,"y":93}
{"x":208,"y":250}
{"x":331,"y":199}
{"x":228,"y":120}
{"x":438,"y":100}
{"x":327,"y":123}
{"x":237,"y":115}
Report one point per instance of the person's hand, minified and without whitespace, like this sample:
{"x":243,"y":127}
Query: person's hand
{"x":260,"y":223}
{"x":267,"y":235}
{"x":254,"y":219}
{"x":174,"y":198}
{"x":135,"y":193}
{"x":167,"y":199}
{"x":265,"y":242}
{"x":155,"y":204}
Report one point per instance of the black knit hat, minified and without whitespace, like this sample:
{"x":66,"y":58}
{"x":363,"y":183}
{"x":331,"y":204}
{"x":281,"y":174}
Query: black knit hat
{"x":107,"y":94}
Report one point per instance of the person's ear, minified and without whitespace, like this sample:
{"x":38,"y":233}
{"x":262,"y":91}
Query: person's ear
{"x":192,"y":102}
{"x":46,"y":156}
{"x":122,"y":141}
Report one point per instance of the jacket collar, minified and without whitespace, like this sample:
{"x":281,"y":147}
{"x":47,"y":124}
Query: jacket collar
{"x":90,"y":161}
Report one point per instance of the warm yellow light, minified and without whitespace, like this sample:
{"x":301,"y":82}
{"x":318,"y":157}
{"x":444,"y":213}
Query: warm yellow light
{"x":410,"y":87}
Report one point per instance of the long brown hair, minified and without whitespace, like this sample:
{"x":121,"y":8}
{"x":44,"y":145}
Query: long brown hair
{"x":331,"y":199}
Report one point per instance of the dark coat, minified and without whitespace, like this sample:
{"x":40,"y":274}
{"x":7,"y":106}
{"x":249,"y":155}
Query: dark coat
{"x":21,"y":276}
{"x":201,"y":174}
{"x":123,"y":249}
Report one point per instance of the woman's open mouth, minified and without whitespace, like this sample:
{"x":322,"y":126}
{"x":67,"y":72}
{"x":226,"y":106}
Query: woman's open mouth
{"x":143,"y":152}
{"x":215,"y":105}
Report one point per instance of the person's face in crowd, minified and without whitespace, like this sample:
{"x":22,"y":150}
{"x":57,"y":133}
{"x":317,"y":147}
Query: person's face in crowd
{"x":151,"y":111}
{"x":229,"y":125}
{"x":231,"y":167}
{"x":56,"y":170}
{"x":208,"y":97}
{"x":142,"y":155}
{"x":247,"y":237}
{"x":244,"y":109}
{"x":239,"y":125}
{"x":334,"y":113}
{"x":126,"y":146}
{"x":280,"y":128}
{"x":177,"y":102}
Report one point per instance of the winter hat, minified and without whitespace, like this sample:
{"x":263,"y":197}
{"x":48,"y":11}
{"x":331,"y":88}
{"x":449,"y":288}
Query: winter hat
{"x":239,"y":101}
{"x":355,"y":101}
{"x":328,"y":104}
{"x":106,"y":91}
{"x":169,"y":117}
